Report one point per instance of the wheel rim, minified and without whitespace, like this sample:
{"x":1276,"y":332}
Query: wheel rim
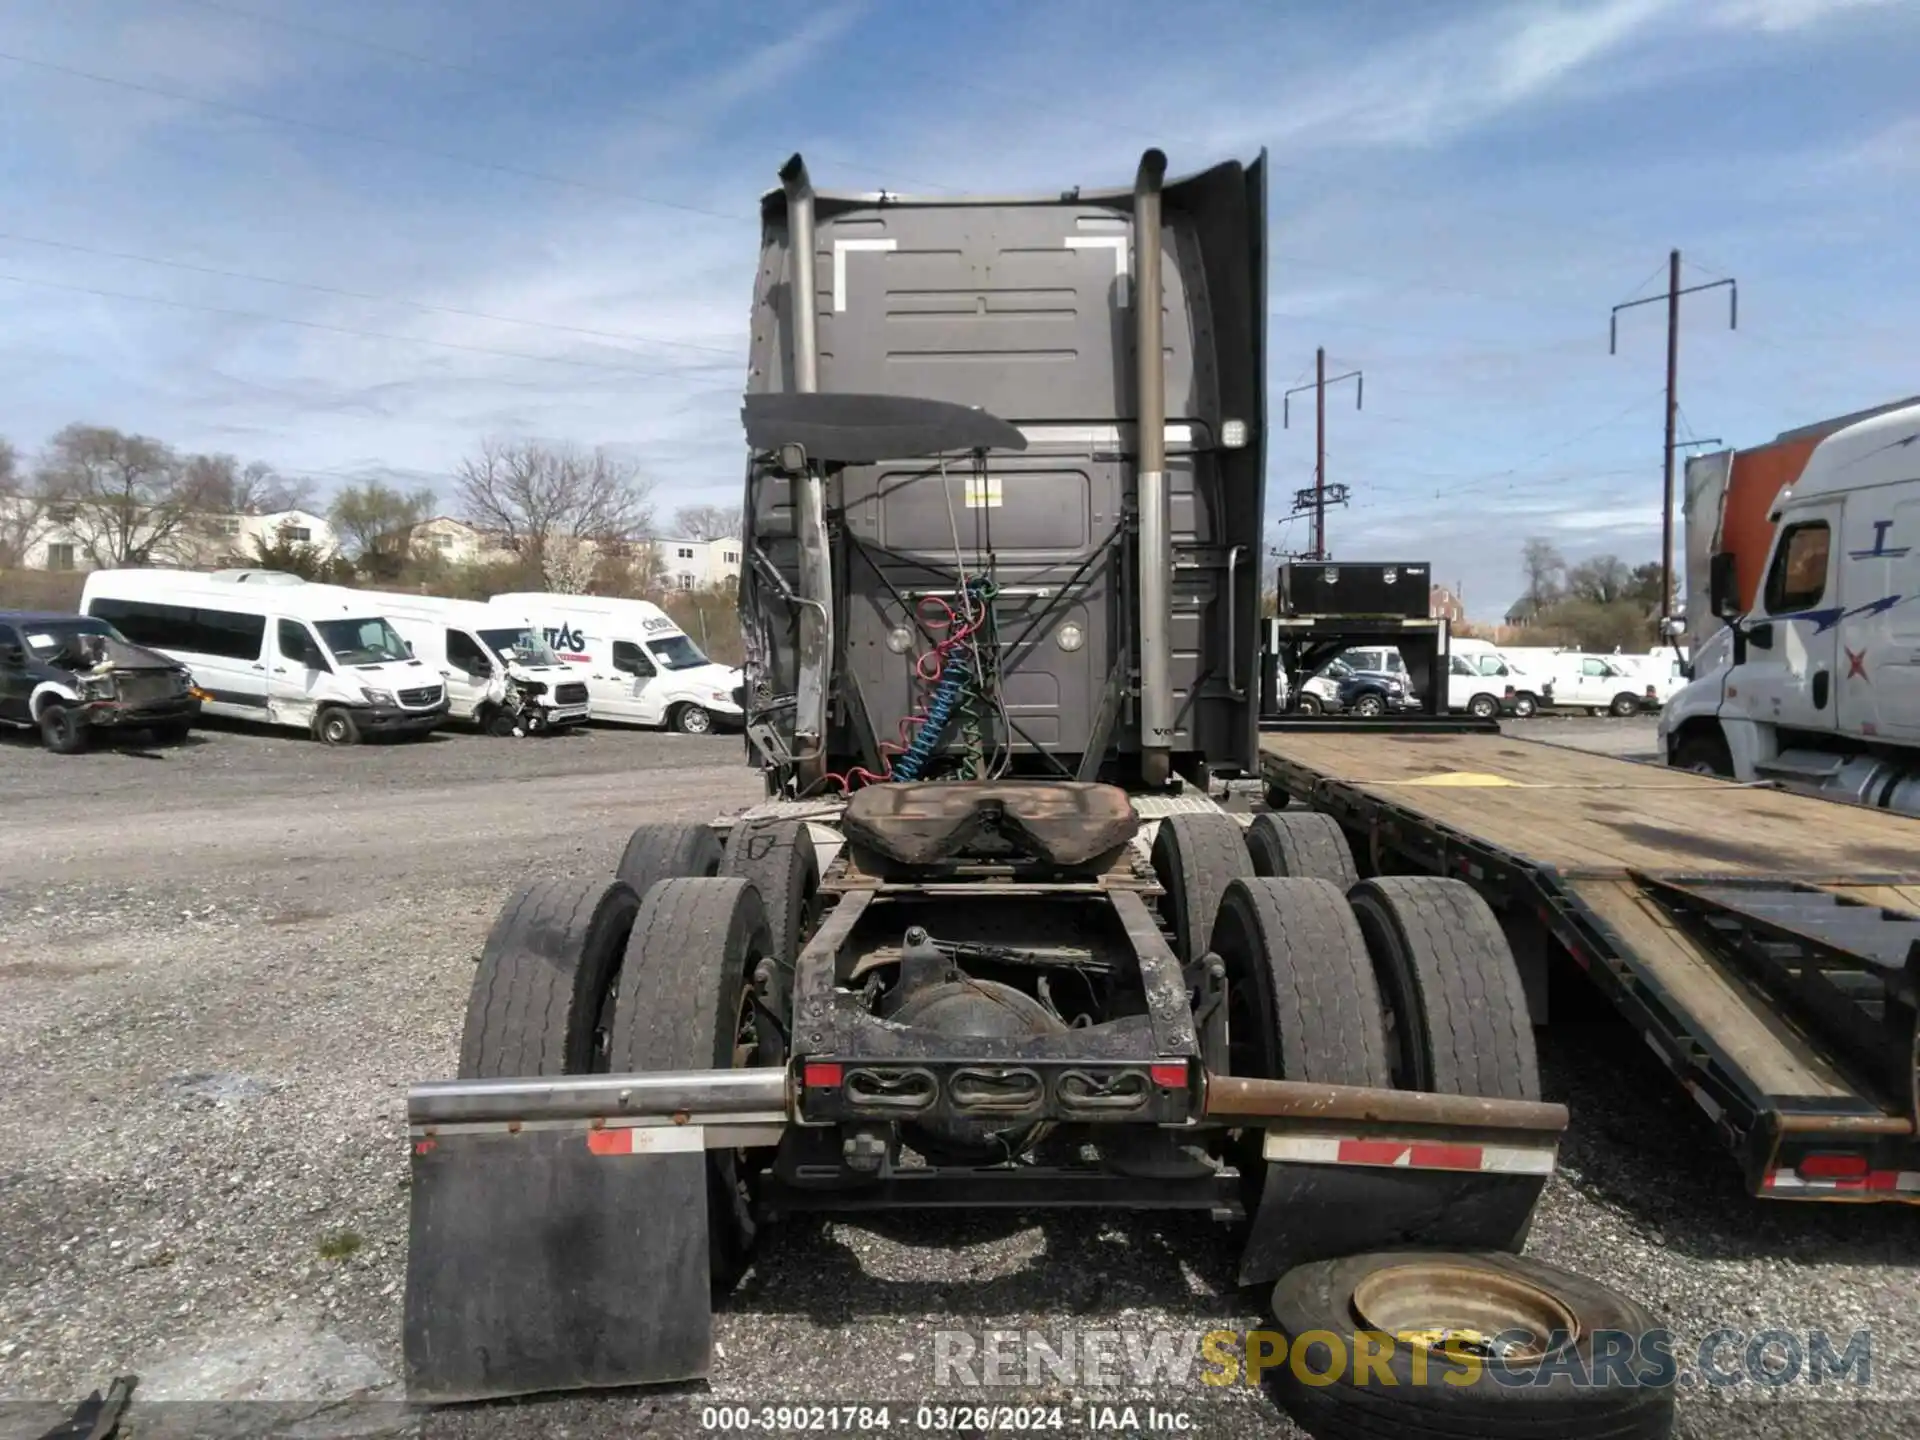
{"x":334,"y":731}
{"x":1523,"y":707}
{"x":695,"y":721}
{"x":1457,"y":1310}
{"x":1482,"y":708}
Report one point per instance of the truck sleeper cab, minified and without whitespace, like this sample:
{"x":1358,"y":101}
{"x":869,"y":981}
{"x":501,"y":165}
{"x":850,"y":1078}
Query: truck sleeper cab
{"x":640,"y":668}
{"x":1819,"y":686}
{"x":311,"y":657}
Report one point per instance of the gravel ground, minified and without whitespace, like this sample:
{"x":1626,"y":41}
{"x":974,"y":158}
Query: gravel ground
{"x":222,"y":964}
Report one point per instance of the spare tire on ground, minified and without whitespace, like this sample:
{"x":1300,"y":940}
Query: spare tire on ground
{"x":1466,"y":1345}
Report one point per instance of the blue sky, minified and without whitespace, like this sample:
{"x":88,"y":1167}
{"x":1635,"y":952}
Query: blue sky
{"x":1461,"y":192}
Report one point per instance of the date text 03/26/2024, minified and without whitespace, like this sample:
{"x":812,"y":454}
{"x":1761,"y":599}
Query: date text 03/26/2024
{"x":927,"y":1418}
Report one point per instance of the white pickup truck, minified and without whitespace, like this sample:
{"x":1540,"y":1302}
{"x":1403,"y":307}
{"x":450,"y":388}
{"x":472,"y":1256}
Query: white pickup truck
{"x":1818,"y":687}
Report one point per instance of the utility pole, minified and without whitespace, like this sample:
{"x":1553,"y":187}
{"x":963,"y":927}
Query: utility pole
{"x":1672,"y":297}
{"x":1322,"y":495}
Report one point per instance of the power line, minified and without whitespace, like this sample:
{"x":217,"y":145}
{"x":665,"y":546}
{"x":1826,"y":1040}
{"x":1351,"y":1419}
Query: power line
{"x":1672,"y":299}
{"x":342,"y":329}
{"x":1322,"y":494}
{"x":361,"y":137}
{"x":359,"y":294}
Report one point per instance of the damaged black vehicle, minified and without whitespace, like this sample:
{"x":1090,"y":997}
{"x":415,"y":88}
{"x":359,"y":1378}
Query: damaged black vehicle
{"x":69,"y":675}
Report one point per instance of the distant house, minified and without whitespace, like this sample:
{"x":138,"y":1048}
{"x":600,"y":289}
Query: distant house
{"x":684,"y":564}
{"x":58,"y":536}
{"x":1443,"y":604}
{"x":1522,"y":611}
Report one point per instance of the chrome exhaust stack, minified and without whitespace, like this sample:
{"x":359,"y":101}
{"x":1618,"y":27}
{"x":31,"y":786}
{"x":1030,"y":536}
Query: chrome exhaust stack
{"x":812,"y":683}
{"x":1155,"y":562}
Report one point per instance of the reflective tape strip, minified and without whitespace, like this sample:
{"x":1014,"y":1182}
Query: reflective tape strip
{"x":647,"y":1139}
{"x":1408,"y":1154}
{"x":1901,"y":1180}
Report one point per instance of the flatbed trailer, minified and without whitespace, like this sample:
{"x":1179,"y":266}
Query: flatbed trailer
{"x":1764,"y":944}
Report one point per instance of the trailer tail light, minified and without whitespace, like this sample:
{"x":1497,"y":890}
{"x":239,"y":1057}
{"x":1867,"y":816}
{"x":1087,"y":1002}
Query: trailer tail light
{"x":1169,"y":1074}
{"x":821,"y":1075}
{"x":1832,"y":1166}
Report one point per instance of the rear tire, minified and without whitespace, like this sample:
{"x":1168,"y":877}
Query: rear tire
{"x":674,"y":851}
{"x":686,"y":1004}
{"x":1624,"y":705}
{"x":778,"y":857}
{"x":1524,"y":706}
{"x":538,"y":1003}
{"x":1460,"y":1024}
{"x":1302,"y":1000}
{"x":337,"y":727}
{"x":63,"y":729}
{"x":1483,"y":707}
{"x":1369,"y":707}
{"x":1305,"y":844}
{"x":1195,"y":857}
{"x":1428,"y":1401}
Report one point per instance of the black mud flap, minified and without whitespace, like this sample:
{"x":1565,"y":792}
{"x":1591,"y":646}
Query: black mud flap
{"x":1323,"y":1212}
{"x":556,"y":1259}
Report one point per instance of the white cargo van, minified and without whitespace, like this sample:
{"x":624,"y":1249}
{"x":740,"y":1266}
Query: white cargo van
{"x":315,"y":657}
{"x":640,"y":668}
{"x":1519,"y":689}
{"x":1818,"y":687}
{"x":500,"y":674}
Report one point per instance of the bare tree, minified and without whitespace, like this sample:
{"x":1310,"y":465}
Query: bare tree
{"x":23,"y":512}
{"x":1544,"y":566}
{"x":707,"y":522}
{"x":256,"y":488}
{"x":376,"y":522}
{"x":125,"y":499}
{"x":532,"y":496}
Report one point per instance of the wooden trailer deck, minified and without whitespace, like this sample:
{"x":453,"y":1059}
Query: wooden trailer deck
{"x":1596,"y":814}
{"x":1588,"y":825}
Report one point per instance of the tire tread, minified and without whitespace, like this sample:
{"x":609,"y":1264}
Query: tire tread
{"x":1477,"y":1028}
{"x":536,"y":971}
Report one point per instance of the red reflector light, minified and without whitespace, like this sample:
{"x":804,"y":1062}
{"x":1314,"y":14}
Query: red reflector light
{"x":1170,"y":1073}
{"x":1831,"y":1167}
{"x":820,"y":1075}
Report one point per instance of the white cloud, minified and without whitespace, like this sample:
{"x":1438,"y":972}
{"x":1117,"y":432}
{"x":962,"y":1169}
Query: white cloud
{"x":1776,"y":17}
{"x":1892,"y":150}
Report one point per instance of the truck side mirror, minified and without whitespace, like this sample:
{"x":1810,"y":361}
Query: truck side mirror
{"x":1723,"y":594}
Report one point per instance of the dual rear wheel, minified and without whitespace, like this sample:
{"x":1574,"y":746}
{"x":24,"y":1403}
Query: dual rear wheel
{"x":661,"y":968}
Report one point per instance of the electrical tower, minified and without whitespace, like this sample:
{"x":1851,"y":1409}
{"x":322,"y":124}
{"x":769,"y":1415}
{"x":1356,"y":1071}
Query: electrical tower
{"x":1322,"y":494}
{"x":1672,"y":297}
